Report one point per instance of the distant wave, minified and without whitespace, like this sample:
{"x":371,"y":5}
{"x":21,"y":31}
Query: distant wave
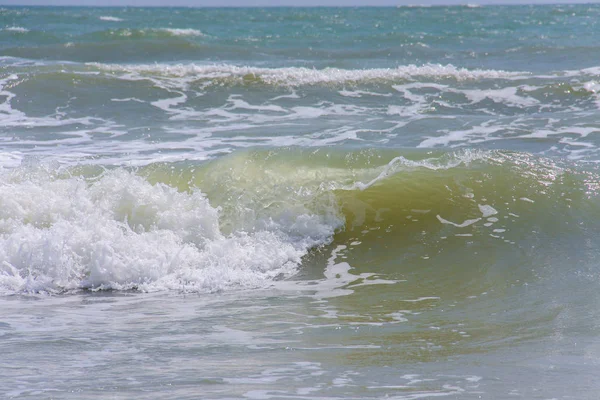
{"x":149,"y":32}
{"x":181,"y":32}
{"x":298,"y":76}
{"x":18,"y":29}
{"x":109,"y":18}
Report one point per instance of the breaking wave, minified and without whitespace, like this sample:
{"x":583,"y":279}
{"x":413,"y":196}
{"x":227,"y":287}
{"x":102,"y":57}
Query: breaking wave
{"x":299,"y":76}
{"x":248,"y":219}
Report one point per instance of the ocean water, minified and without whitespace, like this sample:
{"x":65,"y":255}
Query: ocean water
{"x":300,"y":203}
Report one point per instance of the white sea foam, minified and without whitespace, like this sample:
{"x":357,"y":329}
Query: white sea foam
{"x":361,"y":93}
{"x":118,"y":231}
{"x":508,"y":96}
{"x":10,"y":116}
{"x":487,"y":210}
{"x":463,"y":224}
{"x":154,"y":31}
{"x":592,"y":86}
{"x":338,"y":280}
{"x":17,"y":29}
{"x":298,"y":76}
{"x":109,"y":18}
{"x":182,"y":32}
{"x":478,"y":133}
{"x":401,"y":163}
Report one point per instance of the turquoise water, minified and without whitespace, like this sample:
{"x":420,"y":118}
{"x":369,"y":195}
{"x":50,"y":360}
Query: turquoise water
{"x":304,"y":203}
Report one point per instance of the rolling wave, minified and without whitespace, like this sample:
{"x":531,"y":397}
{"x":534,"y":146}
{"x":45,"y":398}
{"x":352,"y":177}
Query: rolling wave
{"x":299,"y":76}
{"x":131,"y":33}
{"x":257,"y":216}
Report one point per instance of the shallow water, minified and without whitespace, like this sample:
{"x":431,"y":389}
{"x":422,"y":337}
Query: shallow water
{"x":299,"y":203}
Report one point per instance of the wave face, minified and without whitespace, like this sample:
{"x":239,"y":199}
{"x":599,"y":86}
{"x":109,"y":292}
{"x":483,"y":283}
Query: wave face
{"x":250,"y":218}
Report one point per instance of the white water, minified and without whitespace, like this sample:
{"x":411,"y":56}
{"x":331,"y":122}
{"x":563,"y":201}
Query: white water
{"x":117,"y":231}
{"x":299,"y":76}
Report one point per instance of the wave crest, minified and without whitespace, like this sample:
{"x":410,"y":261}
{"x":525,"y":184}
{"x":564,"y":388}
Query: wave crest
{"x":299,"y":76}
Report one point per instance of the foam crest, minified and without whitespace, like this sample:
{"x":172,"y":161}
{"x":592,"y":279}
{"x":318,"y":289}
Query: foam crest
{"x":182,"y":32}
{"x":298,"y":76}
{"x":401,"y":163}
{"x":507,"y":96}
{"x":150,"y":32}
{"x":118,"y":231}
{"x":17,"y":29}
{"x":110,"y":18}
